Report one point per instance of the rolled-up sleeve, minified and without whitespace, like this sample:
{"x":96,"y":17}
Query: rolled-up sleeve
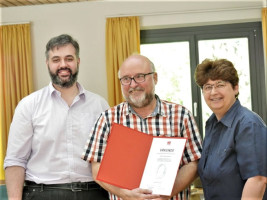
{"x":251,"y":148}
{"x":193,"y":148}
{"x":20,"y":137}
{"x":97,"y":141}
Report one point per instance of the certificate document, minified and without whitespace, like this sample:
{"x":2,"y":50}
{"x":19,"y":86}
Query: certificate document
{"x":162,"y":165}
{"x":133,"y":159}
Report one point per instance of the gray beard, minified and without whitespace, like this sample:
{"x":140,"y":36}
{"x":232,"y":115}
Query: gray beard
{"x":141,"y":102}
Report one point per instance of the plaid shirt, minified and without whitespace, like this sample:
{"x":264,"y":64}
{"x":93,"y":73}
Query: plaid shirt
{"x":168,"y":119}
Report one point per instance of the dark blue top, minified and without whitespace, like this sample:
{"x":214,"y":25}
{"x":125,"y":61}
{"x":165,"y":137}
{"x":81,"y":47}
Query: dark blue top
{"x":234,"y":149}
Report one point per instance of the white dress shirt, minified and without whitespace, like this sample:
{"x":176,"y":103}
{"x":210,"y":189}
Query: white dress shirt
{"x":47,"y":136}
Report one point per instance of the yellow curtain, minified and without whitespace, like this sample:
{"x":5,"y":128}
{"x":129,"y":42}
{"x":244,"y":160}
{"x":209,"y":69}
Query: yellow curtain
{"x":264,"y":30}
{"x":15,"y":77}
{"x":122,"y":40}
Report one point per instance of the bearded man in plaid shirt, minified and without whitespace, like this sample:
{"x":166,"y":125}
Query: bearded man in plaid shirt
{"x":144,"y":111}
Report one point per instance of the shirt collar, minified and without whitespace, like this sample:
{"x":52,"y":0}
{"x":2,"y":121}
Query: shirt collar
{"x":53,"y":90}
{"x":227,"y":119}
{"x":81,"y":89}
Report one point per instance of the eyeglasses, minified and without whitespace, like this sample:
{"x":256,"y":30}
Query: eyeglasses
{"x":218,"y":86}
{"x":139,"y":78}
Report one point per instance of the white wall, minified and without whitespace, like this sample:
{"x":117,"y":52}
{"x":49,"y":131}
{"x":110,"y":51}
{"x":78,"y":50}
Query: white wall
{"x":85,"y":21}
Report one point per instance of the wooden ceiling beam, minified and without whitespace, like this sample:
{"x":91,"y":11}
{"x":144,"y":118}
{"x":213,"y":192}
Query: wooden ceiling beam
{"x":12,"y":3}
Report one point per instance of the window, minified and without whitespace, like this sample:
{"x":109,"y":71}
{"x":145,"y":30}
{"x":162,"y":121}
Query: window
{"x":172,"y":71}
{"x":177,"y":51}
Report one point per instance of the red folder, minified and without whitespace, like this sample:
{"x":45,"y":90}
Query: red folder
{"x":125,"y":157}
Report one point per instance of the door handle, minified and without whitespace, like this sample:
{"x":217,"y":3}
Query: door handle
{"x":195,"y":109}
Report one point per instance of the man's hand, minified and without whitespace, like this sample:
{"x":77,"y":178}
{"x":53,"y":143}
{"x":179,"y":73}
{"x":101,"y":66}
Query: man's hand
{"x":125,"y":194}
{"x":138,"y":194}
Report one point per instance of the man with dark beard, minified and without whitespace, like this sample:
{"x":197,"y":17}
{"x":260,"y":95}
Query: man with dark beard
{"x":48,"y":130}
{"x":144,"y":111}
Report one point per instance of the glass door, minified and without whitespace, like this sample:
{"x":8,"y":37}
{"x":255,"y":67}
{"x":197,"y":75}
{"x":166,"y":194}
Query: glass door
{"x":236,"y":50}
{"x":174,"y":79}
{"x":177,"y":51}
